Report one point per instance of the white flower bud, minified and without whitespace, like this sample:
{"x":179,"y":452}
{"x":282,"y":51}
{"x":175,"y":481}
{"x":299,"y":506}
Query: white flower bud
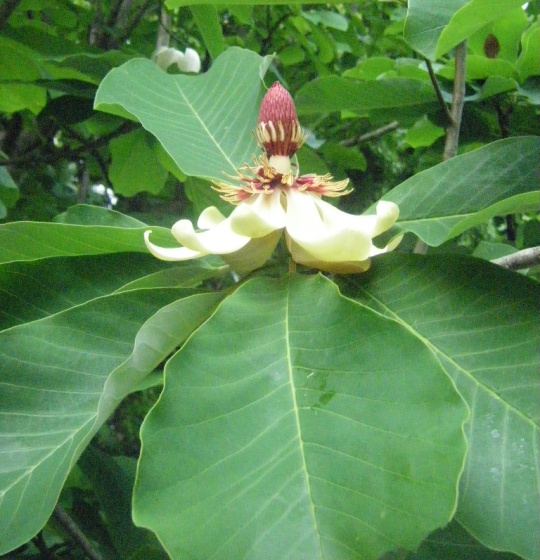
{"x":186,"y":62}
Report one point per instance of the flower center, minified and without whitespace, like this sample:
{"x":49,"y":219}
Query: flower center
{"x":282,"y":164}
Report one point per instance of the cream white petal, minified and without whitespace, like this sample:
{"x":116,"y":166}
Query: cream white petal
{"x":387,"y":215}
{"x":259,"y":215}
{"x":191,"y":62}
{"x":170,"y":254}
{"x":254,"y":254}
{"x":326,"y":233}
{"x":217,"y":240}
{"x":210,"y":217}
{"x":165,"y":56}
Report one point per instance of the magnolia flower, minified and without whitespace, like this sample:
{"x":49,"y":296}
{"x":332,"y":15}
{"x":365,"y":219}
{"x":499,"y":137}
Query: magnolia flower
{"x":188,"y":61}
{"x":270,"y":197}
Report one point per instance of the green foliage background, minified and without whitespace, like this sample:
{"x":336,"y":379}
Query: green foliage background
{"x":392,"y":414}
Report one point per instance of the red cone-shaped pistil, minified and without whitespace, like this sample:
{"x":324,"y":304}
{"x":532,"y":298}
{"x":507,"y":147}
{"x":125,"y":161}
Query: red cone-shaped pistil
{"x":278,"y":129}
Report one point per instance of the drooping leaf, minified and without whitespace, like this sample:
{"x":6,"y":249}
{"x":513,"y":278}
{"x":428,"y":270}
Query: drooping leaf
{"x":61,"y":377}
{"x":36,"y":289}
{"x":482,"y":323}
{"x":447,"y":199}
{"x":23,"y":241}
{"x":501,"y":38}
{"x":18,"y":69}
{"x":471,"y":17}
{"x":207,"y":19}
{"x":204,"y":122}
{"x":296,"y":423}
{"x":425,"y":22}
{"x":134,"y":166}
{"x":333,"y":93}
{"x":527,"y":63}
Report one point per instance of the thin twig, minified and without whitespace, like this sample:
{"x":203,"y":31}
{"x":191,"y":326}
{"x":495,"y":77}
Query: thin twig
{"x":60,"y":515}
{"x":520,"y":260}
{"x":31,"y":158}
{"x":371,"y":134}
{"x":163,"y":36}
{"x":456,"y":112}
{"x":438,"y":91}
{"x":39,"y":542}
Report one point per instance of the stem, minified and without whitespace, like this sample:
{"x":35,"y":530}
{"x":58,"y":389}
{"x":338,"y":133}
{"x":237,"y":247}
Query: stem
{"x":60,"y":515}
{"x":438,"y":91}
{"x":456,"y":112}
{"x":458,"y":100}
{"x":292,"y":266}
{"x":520,"y":260}
{"x":164,"y":23}
{"x":39,"y":542}
{"x":371,"y":134}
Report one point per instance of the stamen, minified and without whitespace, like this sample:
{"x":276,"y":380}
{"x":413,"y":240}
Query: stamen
{"x":273,"y":134}
{"x":281,"y":132}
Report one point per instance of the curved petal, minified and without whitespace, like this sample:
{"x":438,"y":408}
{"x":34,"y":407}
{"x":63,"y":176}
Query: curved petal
{"x":301,"y":256}
{"x":217,"y":240}
{"x":387,"y":215}
{"x":254,"y":254}
{"x":209,"y":218}
{"x":191,"y":61}
{"x":259,"y":215}
{"x":167,"y":254}
{"x":326,"y":233}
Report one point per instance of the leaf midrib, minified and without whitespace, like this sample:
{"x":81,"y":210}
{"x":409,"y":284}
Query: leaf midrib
{"x":203,"y":125}
{"x":297,"y":421}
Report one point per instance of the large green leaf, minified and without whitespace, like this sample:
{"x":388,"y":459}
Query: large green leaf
{"x":18,"y":71}
{"x":334,"y":93}
{"x":25,"y":241}
{"x":482,"y":323}
{"x":204,"y":122}
{"x":36,"y":289}
{"x":425,"y":22}
{"x":470,"y":18}
{"x":62,"y":376}
{"x":297,"y":424}
{"x":449,"y":198}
